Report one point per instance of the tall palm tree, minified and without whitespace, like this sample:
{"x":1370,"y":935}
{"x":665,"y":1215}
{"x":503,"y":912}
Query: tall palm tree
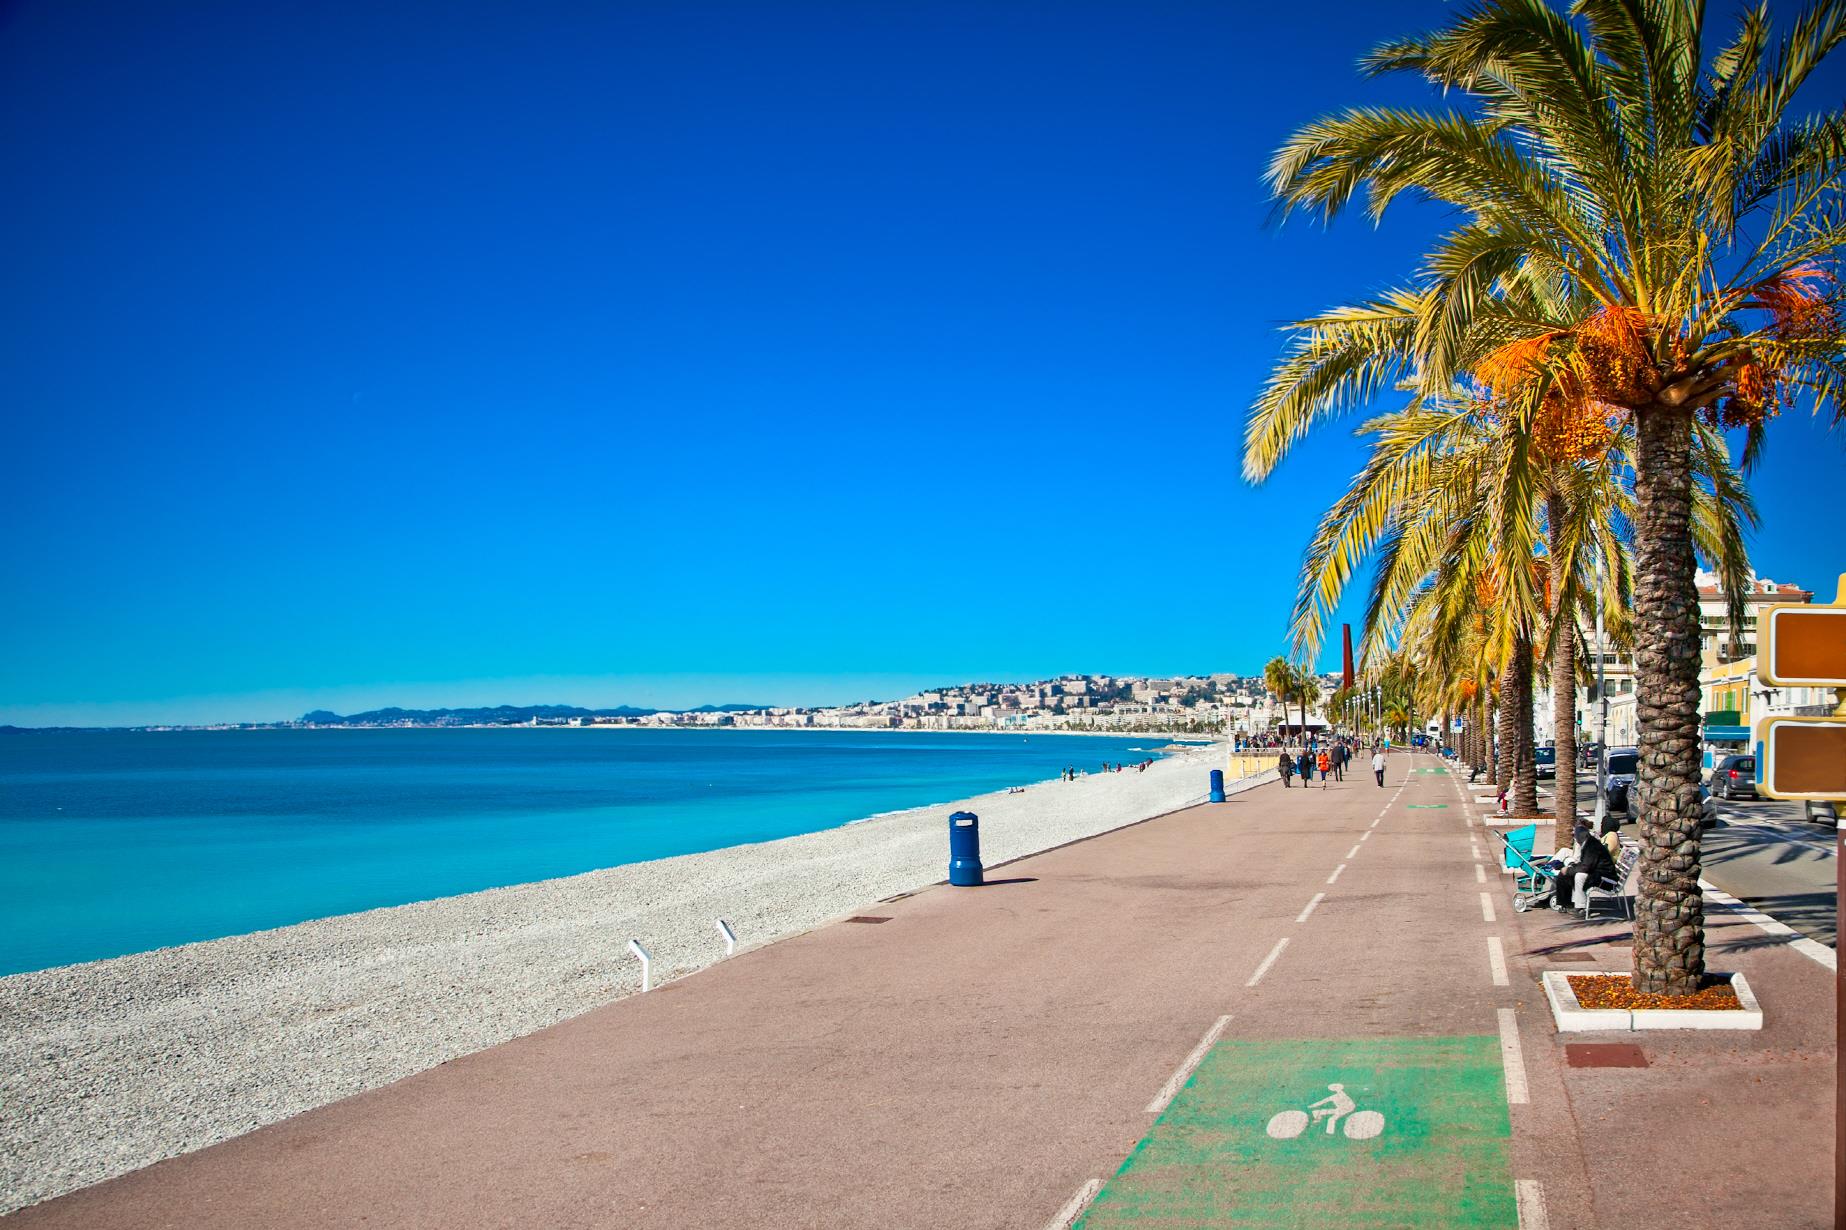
{"x":1596,"y":150}
{"x":1289,"y":682}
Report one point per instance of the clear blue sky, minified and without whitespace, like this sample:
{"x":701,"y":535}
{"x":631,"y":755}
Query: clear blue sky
{"x":666,"y":353}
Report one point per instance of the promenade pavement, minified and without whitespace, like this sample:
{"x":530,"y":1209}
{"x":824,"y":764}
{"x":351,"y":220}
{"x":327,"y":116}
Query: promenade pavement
{"x":1134,"y":1029}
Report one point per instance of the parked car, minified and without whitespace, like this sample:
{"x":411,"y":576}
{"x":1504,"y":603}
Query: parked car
{"x":1820,"y":812}
{"x":1547,"y":758}
{"x":1619,"y":765}
{"x":1733,"y":777}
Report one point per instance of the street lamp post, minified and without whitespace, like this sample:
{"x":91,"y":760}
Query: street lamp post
{"x":1602,"y":705}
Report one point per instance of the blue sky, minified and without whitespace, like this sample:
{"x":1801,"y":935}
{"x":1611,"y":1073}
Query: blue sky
{"x":664,"y":354}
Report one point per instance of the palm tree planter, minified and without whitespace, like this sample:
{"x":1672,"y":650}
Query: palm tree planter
{"x":1605,"y":174}
{"x":1738,"y":1010}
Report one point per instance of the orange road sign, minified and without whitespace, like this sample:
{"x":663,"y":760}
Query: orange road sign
{"x":1803,"y":645}
{"x":1803,"y":758}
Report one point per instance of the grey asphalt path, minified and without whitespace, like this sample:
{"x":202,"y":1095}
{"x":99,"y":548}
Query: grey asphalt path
{"x":1767,"y":854}
{"x":1719,"y":1128}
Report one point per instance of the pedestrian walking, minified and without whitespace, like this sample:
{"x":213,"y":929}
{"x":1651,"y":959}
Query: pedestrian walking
{"x":1325,"y":765}
{"x":1378,"y":765}
{"x":1285,"y":765}
{"x":1304,"y":765}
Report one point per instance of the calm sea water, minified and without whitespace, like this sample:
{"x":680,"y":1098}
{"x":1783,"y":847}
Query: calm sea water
{"x":118,"y":841}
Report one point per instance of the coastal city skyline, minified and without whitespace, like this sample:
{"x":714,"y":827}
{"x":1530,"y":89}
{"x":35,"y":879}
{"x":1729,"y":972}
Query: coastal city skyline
{"x":668,"y":356}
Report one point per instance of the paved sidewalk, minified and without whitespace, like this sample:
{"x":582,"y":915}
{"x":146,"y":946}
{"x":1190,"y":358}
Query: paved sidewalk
{"x":1718,"y":1128}
{"x":1152,"y":1013}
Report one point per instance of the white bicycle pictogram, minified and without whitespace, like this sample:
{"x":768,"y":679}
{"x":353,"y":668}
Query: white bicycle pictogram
{"x":1359,"y":1124}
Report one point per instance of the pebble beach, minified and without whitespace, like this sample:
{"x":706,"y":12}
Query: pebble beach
{"x":109,"y":1066}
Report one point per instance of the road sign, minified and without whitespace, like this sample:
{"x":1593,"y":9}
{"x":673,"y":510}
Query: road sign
{"x":1803,"y":645}
{"x":1803,"y":758}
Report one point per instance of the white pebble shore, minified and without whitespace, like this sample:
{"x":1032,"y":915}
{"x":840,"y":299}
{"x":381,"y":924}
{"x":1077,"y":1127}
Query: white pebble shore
{"x":110,"y":1066}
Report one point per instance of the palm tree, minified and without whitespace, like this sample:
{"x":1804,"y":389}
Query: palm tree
{"x":1596,"y":152}
{"x":1289,"y":682}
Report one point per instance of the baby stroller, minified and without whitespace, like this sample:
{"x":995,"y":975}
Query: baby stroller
{"x":1534,"y":882}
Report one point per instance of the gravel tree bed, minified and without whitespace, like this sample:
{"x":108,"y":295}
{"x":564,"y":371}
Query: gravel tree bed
{"x":1617,"y":991}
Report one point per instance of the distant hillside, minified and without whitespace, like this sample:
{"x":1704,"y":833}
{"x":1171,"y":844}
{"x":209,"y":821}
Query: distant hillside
{"x":504,"y":715}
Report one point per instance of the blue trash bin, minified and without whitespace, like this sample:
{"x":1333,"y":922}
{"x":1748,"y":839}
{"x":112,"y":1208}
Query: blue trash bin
{"x":1217,"y":785}
{"x":965,"y":849}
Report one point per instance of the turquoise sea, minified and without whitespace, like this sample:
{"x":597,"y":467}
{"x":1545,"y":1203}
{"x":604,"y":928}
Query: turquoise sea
{"x":120,"y":841}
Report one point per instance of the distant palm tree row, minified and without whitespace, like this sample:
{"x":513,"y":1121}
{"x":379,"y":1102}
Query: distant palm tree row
{"x":1643,"y":262}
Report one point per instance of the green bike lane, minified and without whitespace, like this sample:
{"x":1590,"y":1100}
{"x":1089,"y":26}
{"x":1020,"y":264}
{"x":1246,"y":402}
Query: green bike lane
{"x":1362,"y":1077}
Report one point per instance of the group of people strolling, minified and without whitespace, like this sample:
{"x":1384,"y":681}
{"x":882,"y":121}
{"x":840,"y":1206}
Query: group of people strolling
{"x":1329,"y":761}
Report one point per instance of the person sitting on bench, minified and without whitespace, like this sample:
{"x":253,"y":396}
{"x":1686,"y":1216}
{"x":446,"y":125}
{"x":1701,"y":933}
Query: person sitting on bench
{"x":1584,"y":864}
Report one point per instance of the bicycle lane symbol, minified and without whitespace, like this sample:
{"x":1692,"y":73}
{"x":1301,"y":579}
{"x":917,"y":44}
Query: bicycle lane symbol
{"x":1416,"y":1134}
{"x":1336,"y":1106}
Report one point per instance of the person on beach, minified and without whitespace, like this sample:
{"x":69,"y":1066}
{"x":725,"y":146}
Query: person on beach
{"x":1285,"y":765}
{"x":1378,"y":765}
{"x":1325,"y":765}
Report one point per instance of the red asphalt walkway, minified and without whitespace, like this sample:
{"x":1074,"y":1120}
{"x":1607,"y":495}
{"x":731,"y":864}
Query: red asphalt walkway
{"x":989,"y":1057}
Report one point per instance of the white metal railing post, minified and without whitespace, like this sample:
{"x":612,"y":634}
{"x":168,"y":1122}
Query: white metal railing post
{"x":647,"y":964}
{"x":730,"y":937}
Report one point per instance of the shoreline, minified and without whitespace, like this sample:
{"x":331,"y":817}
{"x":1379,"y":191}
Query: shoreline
{"x":1172,"y":736}
{"x":115,"y":1064}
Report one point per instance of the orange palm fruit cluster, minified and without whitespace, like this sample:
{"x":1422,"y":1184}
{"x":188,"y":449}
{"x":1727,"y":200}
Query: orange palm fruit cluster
{"x":1567,"y":429}
{"x":1612,"y":361}
{"x":1797,"y":301}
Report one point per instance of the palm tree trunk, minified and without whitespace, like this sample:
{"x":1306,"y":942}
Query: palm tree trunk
{"x":1563,"y":684}
{"x":1503,"y":730}
{"x":1489,"y":762}
{"x":1516,"y":695}
{"x":1669,"y":930}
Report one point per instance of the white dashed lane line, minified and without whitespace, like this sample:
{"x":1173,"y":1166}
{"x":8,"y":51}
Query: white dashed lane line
{"x":1303,"y":916}
{"x":1512,"y":1058}
{"x":1336,"y":873}
{"x":1169,"y":1090}
{"x":1480,"y":874}
{"x":1496,"y":961}
{"x":1267,"y":962}
{"x":1073,"y":1209}
{"x":1530,"y":1198}
{"x":1486,"y":908}
{"x":1353,"y":853}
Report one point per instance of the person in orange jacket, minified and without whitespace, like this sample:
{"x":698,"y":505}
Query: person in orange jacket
{"x":1325,"y":766}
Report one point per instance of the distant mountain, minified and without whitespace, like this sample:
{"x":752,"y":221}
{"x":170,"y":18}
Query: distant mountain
{"x":503,"y":715}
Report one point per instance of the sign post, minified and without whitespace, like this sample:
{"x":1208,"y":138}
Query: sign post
{"x":1804,"y":646}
